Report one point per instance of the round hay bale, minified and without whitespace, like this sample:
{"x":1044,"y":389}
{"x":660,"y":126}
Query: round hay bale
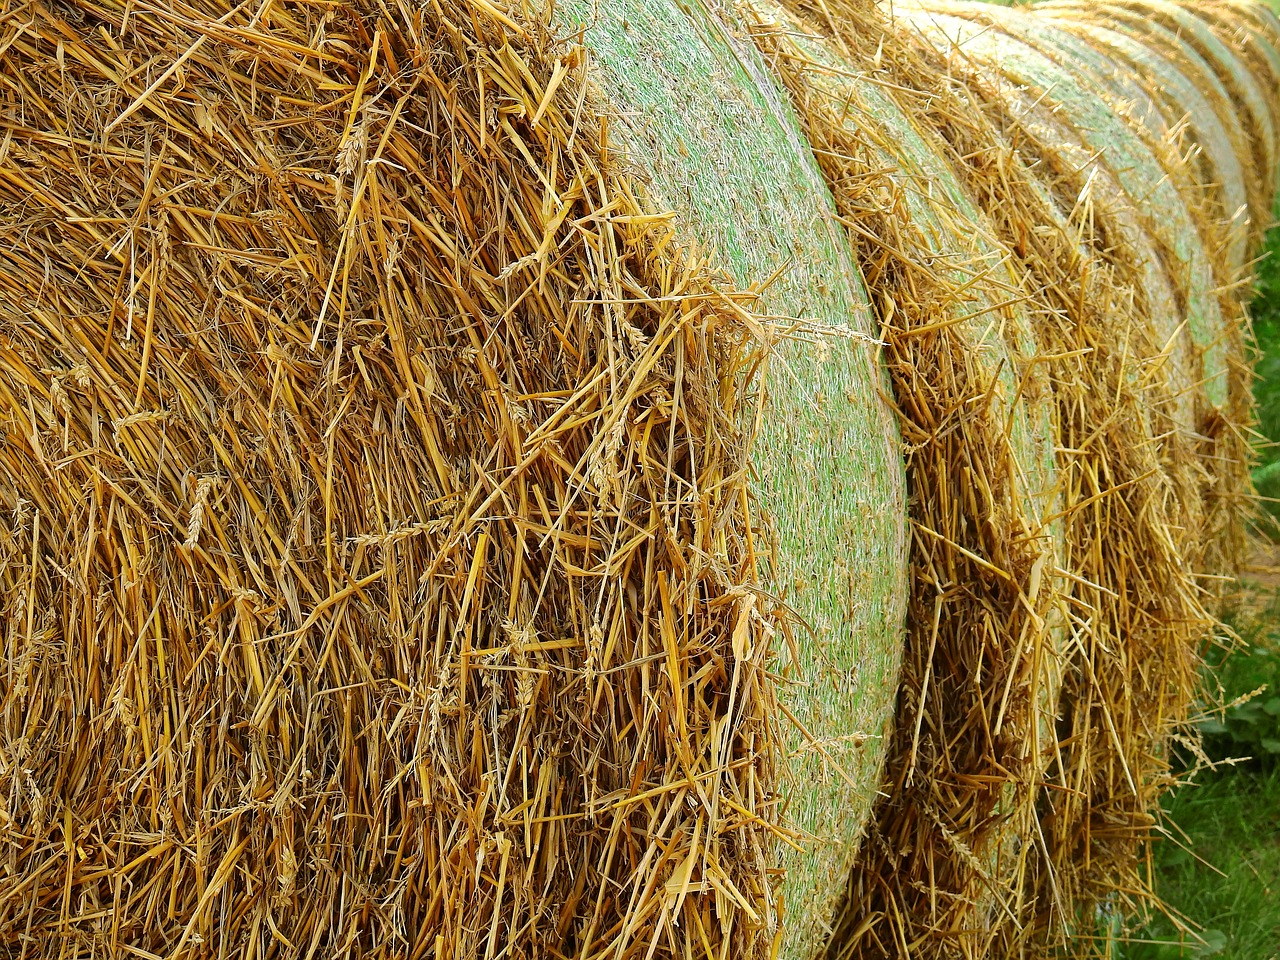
{"x":1126,"y":229}
{"x":1088,"y":190}
{"x":1188,"y":81}
{"x":1133,"y":165}
{"x":1223,"y":410}
{"x":380,"y":566}
{"x":1255,"y":28}
{"x":1250,"y":40}
{"x":451,"y":504}
{"x":970,"y":749}
{"x":1247,"y":100}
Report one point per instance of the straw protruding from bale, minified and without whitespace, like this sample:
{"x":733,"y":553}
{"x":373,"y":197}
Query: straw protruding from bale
{"x":1195,"y":101}
{"x":379,"y":572}
{"x":1212,"y":280}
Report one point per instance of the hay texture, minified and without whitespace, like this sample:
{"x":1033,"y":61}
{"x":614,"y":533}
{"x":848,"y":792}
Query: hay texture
{"x":1192,"y":97}
{"x":1210,"y":271}
{"x":932,"y":877}
{"x":1247,"y":38}
{"x":378,"y":569}
{"x":1138,"y":613}
{"x":615,"y":478}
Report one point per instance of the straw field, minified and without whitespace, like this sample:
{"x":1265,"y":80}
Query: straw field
{"x":613,"y":479}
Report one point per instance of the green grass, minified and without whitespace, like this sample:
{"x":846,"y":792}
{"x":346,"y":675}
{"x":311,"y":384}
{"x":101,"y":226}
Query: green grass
{"x":1220,"y":870}
{"x":1266,"y":390}
{"x":1223,"y":877}
{"x":1266,"y":329}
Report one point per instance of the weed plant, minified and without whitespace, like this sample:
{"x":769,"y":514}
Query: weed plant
{"x":1266,"y":329}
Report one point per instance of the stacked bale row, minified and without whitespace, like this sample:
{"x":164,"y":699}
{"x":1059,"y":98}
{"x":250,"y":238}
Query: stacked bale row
{"x":1131,"y":258}
{"x":382,"y":576}
{"x":620,"y":479}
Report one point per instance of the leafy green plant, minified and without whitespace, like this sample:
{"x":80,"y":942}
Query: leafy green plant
{"x":1266,"y":330}
{"x":1248,"y":726}
{"x":1247,"y":729}
{"x":1218,"y":869}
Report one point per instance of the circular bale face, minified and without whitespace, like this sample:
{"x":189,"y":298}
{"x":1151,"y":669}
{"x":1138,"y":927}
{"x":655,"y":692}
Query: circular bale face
{"x":1214,"y":305}
{"x":1105,"y":339}
{"x":1134,"y":167}
{"x":1193,"y":251}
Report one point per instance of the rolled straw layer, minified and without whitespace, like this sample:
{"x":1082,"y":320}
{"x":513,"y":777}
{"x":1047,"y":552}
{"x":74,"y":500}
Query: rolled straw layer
{"x":1213,"y":266}
{"x":1136,"y":543}
{"x":728,"y":154}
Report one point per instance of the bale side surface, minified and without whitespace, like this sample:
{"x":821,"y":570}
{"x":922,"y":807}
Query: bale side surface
{"x":378,"y":564}
{"x":1223,"y":420}
{"x":1246,"y":97}
{"x":1196,"y":256}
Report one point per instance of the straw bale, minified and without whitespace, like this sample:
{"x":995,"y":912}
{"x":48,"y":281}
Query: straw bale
{"x":1194,"y":249}
{"x":1223,"y":420}
{"x":1159,"y":76}
{"x":516,"y":692}
{"x":1083,"y":172}
{"x":1263,"y":22}
{"x":1182,"y":237}
{"x":1247,"y":99}
{"x":727,"y":153}
{"x":1081,"y":177}
{"x":456,"y":460}
{"x":978,"y":420}
{"x":379,"y":567}
{"x":1191,"y":91}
